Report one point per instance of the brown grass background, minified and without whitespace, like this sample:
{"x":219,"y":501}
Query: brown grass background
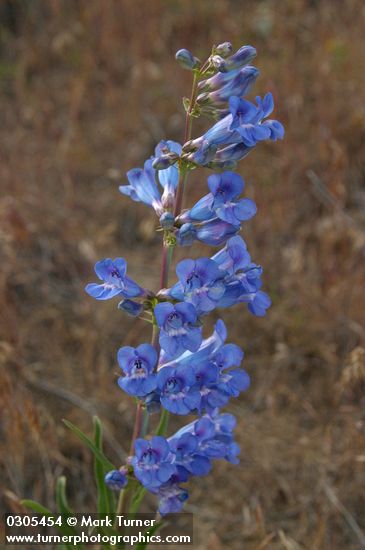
{"x":87,"y":89}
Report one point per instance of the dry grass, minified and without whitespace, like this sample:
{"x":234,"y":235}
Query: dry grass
{"x":87,"y":89}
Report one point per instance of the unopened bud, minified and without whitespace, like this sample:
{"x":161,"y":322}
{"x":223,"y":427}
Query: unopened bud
{"x":167,"y":220}
{"x":164,"y":161}
{"x":225,"y":49}
{"x":132,"y":308}
{"x":186,"y":234}
{"x":116,"y":479}
{"x":218,"y":62}
{"x":186,"y":59}
{"x":152,"y":402}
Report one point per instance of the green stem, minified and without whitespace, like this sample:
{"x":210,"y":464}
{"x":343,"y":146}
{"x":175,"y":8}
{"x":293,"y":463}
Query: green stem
{"x":162,"y":425}
{"x":188,"y":127}
{"x":167,"y":252}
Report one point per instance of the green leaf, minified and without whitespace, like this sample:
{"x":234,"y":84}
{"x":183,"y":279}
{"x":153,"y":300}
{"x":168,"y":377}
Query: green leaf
{"x":137,"y":499}
{"x":151,"y":531}
{"x":61,"y":499}
{"x":36,"y":507}
{"x":186,"y":103}
{"x":106,"y":500}
{"x":64,"y":529}
{"x":85,"y":439}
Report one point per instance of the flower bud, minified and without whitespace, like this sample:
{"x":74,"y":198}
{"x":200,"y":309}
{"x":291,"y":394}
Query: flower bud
{"x":116,"y":479}
{"x":242,"y":57}
{"x":218,"y":63}
{"x":239,"y":86}
{"x":164,"y":161}
{"x":224,"y":49}
{"x":216,"y":232}
{"x":204,"y":154}
{"x":167,"y":220}
{"x":152,"y":402}
{"x":132,"y":308}
{"x":234,"y":152}
{"x":186,"y":59}
{"x":186,"y":234}
{"x":227,"y":165}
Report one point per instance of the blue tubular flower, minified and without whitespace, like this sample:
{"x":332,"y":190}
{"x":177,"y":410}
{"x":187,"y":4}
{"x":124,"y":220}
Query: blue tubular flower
{"x":225,"y":189}
{"x":239,"y":86}
{"x":186,"y":235}
{"x":177,"y":392}
{"x":232,"y":153}
{"x":113,"y":273}
{"x":247,"y":120}
{"x":208,"y":349}
{"x":178,"y":331}
{"x":169,"y":177}
{"x":142,"y":187}
{"x":222,"y":203}
{"x":258,"y":303}
{"x":116,"y":479}
{"x":138,"y":365}
{"x":244,"y":125}
{"x":187,"y":457}
{"x":171,"y":497}
{"x":200,"y":283}
{"x":217,"y":81}
{"x":240,"y":58}
{"x":134,"y":309}
{"x":217,"y":385}
{"x":234,"y":256}
{"x":215,"y":232}
{"x":152,"y":463}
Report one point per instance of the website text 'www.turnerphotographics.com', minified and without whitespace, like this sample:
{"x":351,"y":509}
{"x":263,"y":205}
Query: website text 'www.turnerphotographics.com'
{"x":88,"y":529}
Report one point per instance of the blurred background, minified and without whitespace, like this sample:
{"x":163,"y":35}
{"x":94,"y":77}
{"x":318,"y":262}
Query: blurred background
{"x":87,"y":90}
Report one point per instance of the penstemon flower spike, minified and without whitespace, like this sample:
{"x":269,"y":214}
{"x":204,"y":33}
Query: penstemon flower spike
{"x":180,"y":372}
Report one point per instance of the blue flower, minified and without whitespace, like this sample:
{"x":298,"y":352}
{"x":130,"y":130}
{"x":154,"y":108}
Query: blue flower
{"x":244,"y":125}
{"x":178,"y":330}
{"x":134,"y":309}
{"x":113,"y":273}
{"x":214,"y":434}
{"x":243,"y":279}
{"x":187,"y":456}
{"x":208,"y":348}
{"x":234,"y":256}
{"x":200,"y":283}
{"x":240,"y":58}
{"x":142,"y":187}
{"x":177,"y":392}
{"x":222,"y":201}
{"x":216,"y":383}
{"x":244,"y":287}
{"x":152,"y":463}
{"x":138,"y":365}
{"x":171,"y":498}
{"x":168,"y":177}
{"x":239,"y":85}
{"x":186,"y":234}
{"x":116,"y":479}
{"x":215,"y":232}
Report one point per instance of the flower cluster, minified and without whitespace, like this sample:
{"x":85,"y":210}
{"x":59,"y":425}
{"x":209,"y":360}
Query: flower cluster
{"x":161,"y":464}
{"x":182,"y":372}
